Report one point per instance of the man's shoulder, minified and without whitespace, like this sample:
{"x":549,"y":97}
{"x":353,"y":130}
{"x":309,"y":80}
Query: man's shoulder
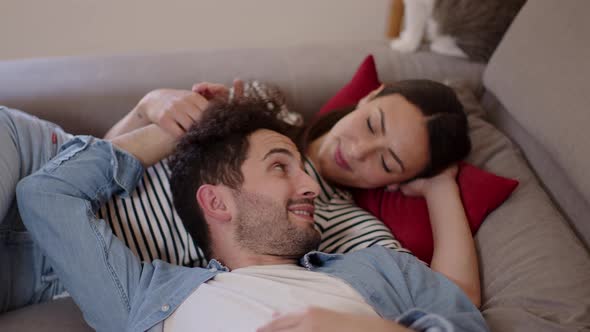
{"x":162,"y":288}
{"x":375,"y":255}
{"x":378,"y":251}
{"x":159,"y":277}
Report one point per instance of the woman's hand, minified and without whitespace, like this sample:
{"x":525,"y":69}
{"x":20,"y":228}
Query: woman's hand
{"x":318,"y":319}
{"x":216,"y":91}
{"x":424,"y":187}
{"x":175,"y":111}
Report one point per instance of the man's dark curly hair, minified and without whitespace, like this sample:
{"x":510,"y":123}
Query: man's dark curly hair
{"x":212,"y":152}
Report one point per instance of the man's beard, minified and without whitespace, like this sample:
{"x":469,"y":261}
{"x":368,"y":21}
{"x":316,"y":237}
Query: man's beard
{"x":264,"y":227}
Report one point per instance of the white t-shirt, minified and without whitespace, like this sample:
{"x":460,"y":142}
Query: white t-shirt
{"x":247,"y":298}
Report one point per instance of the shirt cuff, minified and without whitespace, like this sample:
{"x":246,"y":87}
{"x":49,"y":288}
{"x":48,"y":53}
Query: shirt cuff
{"x":126,"y":169}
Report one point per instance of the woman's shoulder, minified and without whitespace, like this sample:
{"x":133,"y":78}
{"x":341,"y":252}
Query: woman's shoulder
{"x":328,"y":192}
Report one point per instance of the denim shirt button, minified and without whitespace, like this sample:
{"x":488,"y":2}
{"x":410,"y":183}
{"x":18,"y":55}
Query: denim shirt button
{"x":165,"y":308}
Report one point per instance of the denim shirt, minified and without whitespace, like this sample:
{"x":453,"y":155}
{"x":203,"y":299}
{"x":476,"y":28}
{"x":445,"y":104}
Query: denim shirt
{"x":117,"y":292}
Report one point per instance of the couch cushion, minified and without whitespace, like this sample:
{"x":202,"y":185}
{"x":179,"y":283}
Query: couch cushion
{"x":60,"y":316}
{"x":539,"y":73}
{"x":535,"y":272}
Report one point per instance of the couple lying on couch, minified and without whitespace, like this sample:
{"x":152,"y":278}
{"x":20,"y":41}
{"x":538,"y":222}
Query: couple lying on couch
{"x":234,"y":174}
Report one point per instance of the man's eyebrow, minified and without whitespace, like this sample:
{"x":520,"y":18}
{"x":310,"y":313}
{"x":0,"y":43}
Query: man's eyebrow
{"x":279,"y":150}
{"x":399,"y":161}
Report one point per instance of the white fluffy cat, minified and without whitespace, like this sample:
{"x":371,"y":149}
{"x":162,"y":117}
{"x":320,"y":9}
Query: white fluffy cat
{"x":462,"y":28}
{"x":418,"y":24}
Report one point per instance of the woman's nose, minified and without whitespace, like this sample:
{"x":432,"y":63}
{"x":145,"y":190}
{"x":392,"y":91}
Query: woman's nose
{"x":361,"y":150}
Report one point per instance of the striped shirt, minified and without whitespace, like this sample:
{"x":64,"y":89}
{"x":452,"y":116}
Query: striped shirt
{"x":148,"y":224}
{"x":343,"y":225}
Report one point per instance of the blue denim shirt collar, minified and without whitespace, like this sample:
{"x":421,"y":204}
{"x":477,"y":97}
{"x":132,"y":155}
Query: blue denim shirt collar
{"x":215,"y":265}
{"x":316,"y":259}
{"x":311,"y":261}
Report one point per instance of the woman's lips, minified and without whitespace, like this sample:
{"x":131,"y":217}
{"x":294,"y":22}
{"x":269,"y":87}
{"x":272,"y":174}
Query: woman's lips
{"x":339,"y":159}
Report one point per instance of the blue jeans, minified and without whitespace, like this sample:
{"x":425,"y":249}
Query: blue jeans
{"x":26,"y":144}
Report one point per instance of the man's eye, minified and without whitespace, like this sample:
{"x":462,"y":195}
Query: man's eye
{"x":369,"y":126}
{"x":385,"y":165}
{"x":279,"y":166}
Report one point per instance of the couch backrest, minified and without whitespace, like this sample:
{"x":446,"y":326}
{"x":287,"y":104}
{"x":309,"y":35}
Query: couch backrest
{"x":88,"y":94}
{"x":540,"y":73}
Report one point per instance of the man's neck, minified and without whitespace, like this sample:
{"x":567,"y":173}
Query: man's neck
{"x":260,"y":260}
{"x":243,"y":258}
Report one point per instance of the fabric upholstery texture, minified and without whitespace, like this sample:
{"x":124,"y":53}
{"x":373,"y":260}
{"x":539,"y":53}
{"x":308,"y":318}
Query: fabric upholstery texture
{"x":539,"y":73}
{"x":569,"y":200}
{"x":102,"y":89}
{"x":60,"y":315}
{"x":535,"y":272}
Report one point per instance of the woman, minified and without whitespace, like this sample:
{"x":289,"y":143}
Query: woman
{"x":340,"y":159}
{"x":406,"y":136}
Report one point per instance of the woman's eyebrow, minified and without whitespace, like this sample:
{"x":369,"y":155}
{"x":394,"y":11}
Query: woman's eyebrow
{"x":399,"y":161}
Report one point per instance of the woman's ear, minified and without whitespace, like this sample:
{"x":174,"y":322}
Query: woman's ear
{"x":371,"y":95}
{"x":213,"y":203}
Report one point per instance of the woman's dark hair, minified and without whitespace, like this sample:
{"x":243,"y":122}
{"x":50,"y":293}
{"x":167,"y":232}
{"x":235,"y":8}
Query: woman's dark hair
{"x":212,"y":152}
{"x":445,"y":121}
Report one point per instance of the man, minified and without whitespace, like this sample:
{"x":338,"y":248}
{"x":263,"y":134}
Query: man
{"x":253,"y":206}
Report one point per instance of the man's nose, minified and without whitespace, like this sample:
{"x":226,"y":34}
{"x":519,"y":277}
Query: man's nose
{"x":307,"y":187}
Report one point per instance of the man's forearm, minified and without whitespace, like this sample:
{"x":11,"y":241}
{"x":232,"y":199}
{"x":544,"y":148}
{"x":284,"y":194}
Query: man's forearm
{"x":58,"y":205}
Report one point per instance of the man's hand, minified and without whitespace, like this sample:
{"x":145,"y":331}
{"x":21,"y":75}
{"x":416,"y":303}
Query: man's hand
{"x":175,"y":111}
{"x":318,"y":319}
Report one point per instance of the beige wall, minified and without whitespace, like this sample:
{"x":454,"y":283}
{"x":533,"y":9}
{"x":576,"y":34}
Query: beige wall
{"x":35,"y":28}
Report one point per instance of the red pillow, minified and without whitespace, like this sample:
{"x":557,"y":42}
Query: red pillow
{"x":364,"y":81}
{"x":407,"y":217}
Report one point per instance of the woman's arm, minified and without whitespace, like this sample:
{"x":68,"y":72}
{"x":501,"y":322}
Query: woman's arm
{"x":131,"y":121}
{"x":454,"y":249}
{"x":149,"y":144}
{"x":175,"y":111}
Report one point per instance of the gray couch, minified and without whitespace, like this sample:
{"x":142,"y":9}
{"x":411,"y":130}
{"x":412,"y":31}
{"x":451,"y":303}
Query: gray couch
{"x":528,"y":112}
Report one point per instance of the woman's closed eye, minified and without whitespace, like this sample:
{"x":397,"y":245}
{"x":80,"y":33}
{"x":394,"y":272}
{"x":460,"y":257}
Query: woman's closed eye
{"x":387,"y":169}
{"x":370,"y":126}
